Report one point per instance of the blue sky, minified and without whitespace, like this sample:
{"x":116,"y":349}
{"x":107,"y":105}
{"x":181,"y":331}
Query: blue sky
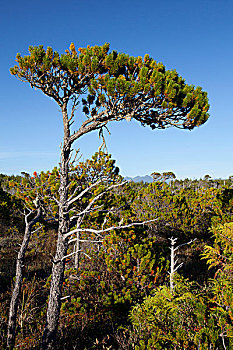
{"x":194,"y":37}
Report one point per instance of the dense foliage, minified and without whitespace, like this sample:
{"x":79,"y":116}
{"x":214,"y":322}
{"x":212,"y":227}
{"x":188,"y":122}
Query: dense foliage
{"x":119,"y":86}
{"x":119,"y":297}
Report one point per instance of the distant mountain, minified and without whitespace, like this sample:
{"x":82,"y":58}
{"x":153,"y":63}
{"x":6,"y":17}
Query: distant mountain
{"x":145,"y":179}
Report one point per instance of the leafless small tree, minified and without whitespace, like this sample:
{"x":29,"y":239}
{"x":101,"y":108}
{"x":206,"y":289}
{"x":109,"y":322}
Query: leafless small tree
{"x":31,"y":218}
{"x":174,"y":267}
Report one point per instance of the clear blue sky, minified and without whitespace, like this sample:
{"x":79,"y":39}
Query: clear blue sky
{"x":194,"y":37}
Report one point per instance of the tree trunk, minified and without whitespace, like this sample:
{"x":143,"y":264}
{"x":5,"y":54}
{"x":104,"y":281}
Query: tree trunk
{"x":54,"y":305}
{"x":77,"y":245}
{"x":18,"y":281}
{"x":53,"y":312}
{"x":77,"y":255}
{"x":172,"y":268}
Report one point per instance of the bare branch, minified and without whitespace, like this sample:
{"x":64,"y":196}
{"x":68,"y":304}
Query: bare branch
{"x":86,"y":255}
{"x":83,"y":240}
{"x":85,"y":211}
{"x":80,"y":195}
{"x":75,"y":157}
{"x":177,"y":267}
{"x":39,"y":228}
{"x":181,"y":245}
{"x":107,"y":229}
{"x":98,"y":196}
{"x":67,"y":256}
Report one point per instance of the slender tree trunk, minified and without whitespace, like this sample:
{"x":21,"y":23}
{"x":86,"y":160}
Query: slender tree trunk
{"x":77,"y":255}
{"x":223,"y":342}
{"x":11,"y":334}
{"x":77,"y":245}
{"x":172,"y":268}
{"x":54,"y":305}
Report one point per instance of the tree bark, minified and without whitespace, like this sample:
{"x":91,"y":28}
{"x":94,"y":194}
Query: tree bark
{"x":77,"y":255}
{"x":11,"y":334}
{"x":54,"y":305}
{"x":172,"y":268}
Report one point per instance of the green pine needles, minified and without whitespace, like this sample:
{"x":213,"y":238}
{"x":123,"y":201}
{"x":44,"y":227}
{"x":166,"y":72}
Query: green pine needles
{"x":120,"y":86}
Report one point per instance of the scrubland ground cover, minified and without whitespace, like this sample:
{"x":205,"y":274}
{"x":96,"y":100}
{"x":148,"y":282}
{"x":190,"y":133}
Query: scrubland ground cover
{"x":119,"y":297}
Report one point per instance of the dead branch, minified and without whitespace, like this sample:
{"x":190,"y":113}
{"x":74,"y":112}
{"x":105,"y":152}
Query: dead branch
{"x":97,"y":232}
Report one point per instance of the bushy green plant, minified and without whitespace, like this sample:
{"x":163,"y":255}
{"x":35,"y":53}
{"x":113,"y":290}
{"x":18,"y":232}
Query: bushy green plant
{"x":178,"y":320}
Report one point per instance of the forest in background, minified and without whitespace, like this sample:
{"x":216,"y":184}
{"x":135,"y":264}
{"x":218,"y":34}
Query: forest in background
{"x":117,"y":292}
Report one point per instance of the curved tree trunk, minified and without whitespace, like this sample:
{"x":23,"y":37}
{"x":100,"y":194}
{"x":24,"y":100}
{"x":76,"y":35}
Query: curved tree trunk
{"x":19,"y":278}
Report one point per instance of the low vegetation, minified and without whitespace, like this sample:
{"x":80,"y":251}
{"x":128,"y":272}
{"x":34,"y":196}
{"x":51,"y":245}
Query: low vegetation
{"x":118,"y":295}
